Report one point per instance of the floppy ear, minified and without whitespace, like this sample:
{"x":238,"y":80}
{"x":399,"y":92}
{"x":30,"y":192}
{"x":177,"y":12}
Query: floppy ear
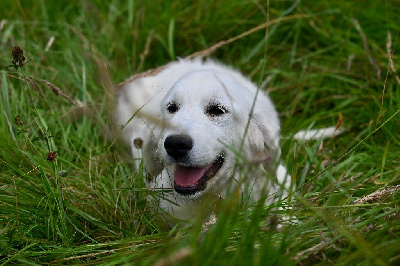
{"x":138,"y":115}
{"x":263,"y":140}
{"x":151,"y":152}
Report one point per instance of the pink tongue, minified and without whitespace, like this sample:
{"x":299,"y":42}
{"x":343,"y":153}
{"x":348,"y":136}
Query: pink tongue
{"x":189,"y":176}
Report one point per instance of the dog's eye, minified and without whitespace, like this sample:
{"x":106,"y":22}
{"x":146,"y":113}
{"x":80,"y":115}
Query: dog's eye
{"x":216,"y":110}
{"x":172,"y":108}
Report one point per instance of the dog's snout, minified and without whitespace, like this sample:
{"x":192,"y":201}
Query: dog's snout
{"x":177,"y":146}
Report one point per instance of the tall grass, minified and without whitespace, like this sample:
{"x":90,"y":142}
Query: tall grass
{"x":88,"y":205}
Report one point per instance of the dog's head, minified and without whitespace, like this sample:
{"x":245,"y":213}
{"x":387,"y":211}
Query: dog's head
{"x":207,"y":114}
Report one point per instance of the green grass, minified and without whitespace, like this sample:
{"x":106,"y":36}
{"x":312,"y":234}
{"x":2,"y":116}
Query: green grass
{"x":88,"y":206}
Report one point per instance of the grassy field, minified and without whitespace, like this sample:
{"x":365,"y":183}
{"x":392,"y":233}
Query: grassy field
{"x":87,"y":205}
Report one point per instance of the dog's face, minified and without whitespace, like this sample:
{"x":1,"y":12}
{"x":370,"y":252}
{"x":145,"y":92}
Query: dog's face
{"x":205,"y":115}
{"x":189,"y":123}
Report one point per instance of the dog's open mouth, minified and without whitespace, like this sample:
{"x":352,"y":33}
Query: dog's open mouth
{"x":189,"y":180}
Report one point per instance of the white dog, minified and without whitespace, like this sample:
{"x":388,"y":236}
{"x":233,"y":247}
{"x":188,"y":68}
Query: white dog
{"x":192,"y":121}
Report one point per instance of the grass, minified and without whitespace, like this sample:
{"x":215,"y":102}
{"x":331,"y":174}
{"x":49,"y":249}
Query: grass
{"x":88,"y":204}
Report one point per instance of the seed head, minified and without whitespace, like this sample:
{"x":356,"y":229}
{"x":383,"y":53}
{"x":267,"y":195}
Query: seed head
{"x":51,"y":156}
{"x":18,"y":56}
{"x":138,"y":143}
{"x":19,"y":121}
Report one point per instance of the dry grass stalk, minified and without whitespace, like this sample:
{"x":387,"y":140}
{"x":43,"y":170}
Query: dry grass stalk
{"x":311,"y":250}
{"x":55,"y":89}
{"x":379,"y":195}
{"x":49,"y":43}
{"x":366,"y":48}
{"x":2,"y":23}
{"x":208,"y":51}
{"x":350,"y":61}
{"x":10,"y":127}
{"x":390,"y":56}
{"x":206,"y":225}
{"x":146,"y":51}
{"x":175,"y":258}
{"x":34,"y":85}
{"x":148,"y":73}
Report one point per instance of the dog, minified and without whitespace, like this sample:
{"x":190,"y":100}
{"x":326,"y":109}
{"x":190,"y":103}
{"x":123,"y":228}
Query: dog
{"x":192,"y":121}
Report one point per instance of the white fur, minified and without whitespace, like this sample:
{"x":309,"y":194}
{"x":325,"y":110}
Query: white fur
{"x":195,"y":84}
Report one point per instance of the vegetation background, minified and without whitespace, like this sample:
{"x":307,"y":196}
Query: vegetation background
{"x":85,"y":203}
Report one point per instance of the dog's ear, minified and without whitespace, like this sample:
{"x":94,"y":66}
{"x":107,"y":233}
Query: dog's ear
{"x":138,"y":117}
{"x":263,"y":140}
{"x":152,"y":154}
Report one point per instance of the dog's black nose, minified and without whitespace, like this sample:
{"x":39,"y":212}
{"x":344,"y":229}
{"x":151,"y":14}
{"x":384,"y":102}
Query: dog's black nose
{"x":177,"y":146}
